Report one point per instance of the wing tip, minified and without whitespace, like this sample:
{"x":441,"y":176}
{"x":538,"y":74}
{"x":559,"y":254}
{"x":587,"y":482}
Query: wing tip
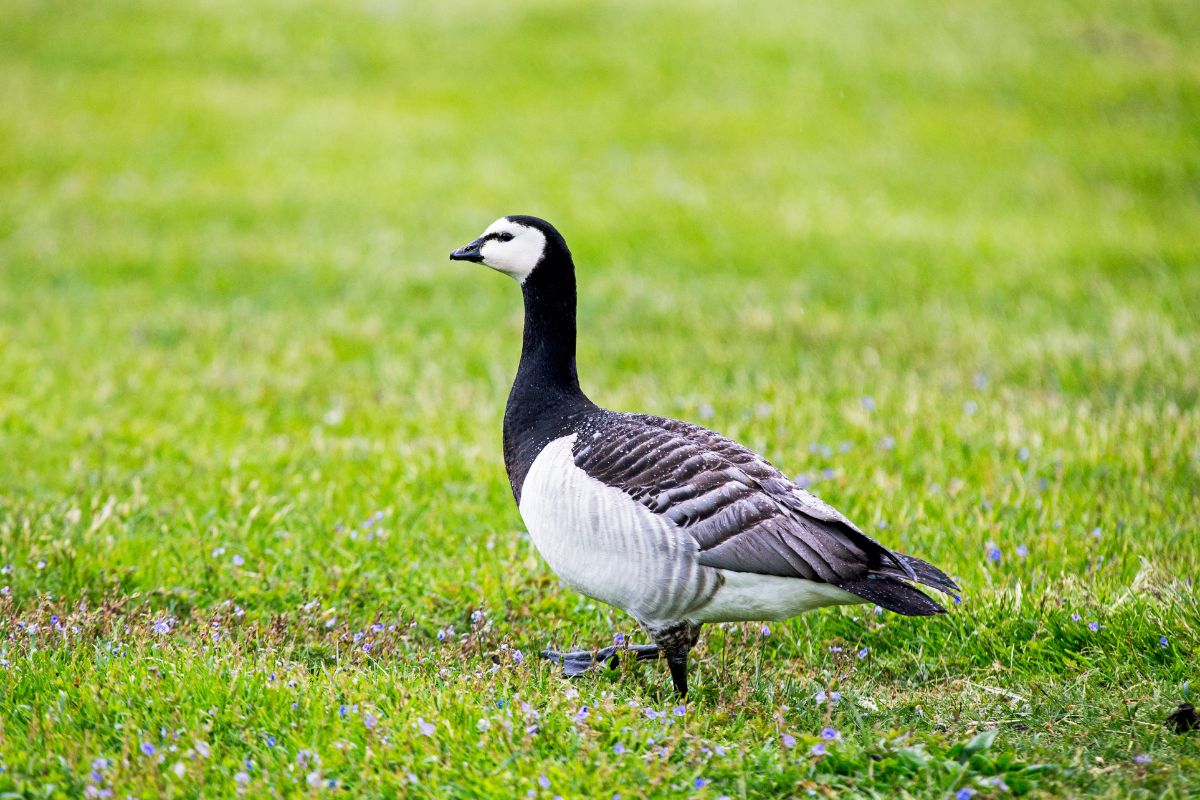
{"x":892,"y":593}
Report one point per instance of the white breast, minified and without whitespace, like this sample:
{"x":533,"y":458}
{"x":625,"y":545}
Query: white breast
{"x":607,"y":546}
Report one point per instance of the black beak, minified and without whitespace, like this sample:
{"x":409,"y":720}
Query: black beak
{"x":470,"y":252}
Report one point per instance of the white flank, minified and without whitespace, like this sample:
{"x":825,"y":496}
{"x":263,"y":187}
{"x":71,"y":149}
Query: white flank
{"x":518,"y":256}
{"x":747,"y":596}
{"x":606,"y":545}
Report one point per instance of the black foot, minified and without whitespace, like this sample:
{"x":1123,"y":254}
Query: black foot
{"x":578,"y":662}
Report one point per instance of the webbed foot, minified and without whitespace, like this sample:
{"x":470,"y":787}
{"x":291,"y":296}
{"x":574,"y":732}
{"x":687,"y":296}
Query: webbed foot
{"x":577,"y":662}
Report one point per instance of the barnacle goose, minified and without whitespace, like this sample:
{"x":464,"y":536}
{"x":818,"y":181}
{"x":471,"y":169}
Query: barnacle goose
{"x":670,"y":522}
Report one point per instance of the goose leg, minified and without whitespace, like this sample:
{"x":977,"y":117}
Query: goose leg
{"x":577,"y":662}
{"x":675,"y":642}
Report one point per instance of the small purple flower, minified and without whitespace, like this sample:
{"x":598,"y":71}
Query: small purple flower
{"x":833,"y":648}
{"x":367,"y":647}
{"x":788,"y":740}
{"x":582,"y":714}
{"x":147,"y":749}
{"x":868,"y":403}
{"x":369,"y":720}
{"x":993,"y":552}
{"x":426,"y":728}
{"x":1093,"y":626}
{"x":970,"y":407}
{"x":700,"y":783}
{"x":1022,"y":550}
{"x":543,"y":782}
{"x":1141,"y":759}
{"x":518,"y":657}
{"x":765,"y":630}
{"x":650,"y":713}
{"x":1075,"y":617}
{"x":441,"y":636}
{"x":817,"y":749}
{"x":862,"y":654}
{"x":829,"y":734}
{"x":162,"y":626}
{"x":680,"y":710}
{"x":1023,"y":454}
{"x":964,"y":794}
{"x":619,"y":639}
{"x":619,"y":748}
{"x":887,"y":443}
{"x":270,"y":741}
{"x":719,"y":750}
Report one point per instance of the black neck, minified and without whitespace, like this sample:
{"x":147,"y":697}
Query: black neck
{"x":545,"y":399}
{"x":548,"y":345}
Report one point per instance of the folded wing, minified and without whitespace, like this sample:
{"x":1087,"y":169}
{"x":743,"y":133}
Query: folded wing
{"x":745,"y":515}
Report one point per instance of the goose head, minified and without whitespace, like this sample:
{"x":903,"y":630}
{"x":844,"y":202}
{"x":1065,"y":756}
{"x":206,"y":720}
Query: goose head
{"x":516,"y":245}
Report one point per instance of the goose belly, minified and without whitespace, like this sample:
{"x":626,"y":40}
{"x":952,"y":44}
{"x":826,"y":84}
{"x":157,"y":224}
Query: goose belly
{"x":746,"y":596}
{"x":606,"y":545}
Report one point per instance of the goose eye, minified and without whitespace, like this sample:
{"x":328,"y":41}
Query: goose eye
{"x":504,"y":237}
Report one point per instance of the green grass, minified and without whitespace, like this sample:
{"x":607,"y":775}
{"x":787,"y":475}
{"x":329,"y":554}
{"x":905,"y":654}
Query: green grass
{"x":229,"y":336}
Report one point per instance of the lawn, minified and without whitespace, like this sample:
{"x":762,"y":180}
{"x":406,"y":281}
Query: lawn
{"x":941,"y":263}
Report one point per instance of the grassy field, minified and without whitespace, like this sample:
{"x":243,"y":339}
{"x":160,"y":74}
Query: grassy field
{"x":255,"y":532}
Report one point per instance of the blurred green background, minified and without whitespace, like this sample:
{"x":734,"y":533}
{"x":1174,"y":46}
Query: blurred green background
{"x":942,"y":262}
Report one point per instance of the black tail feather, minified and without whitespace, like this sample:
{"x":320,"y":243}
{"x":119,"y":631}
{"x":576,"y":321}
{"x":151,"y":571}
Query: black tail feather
{"x":888,"y":587}
{"x":894,"y":595}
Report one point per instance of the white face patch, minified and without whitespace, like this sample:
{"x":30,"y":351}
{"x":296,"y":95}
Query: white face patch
{"x":513,"y":248}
